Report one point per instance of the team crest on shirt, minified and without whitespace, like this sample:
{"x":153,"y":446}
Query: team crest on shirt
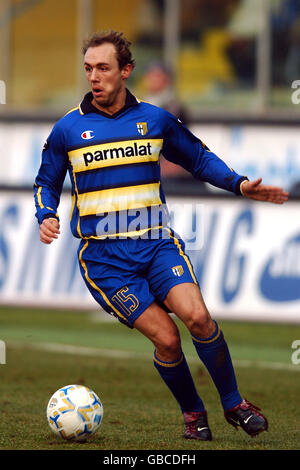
{"x":177,"y":270}
{"x":142,"y":128}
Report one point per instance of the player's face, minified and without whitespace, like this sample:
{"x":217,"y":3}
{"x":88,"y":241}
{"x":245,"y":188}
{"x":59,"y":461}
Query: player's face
{"x":106,"y":79}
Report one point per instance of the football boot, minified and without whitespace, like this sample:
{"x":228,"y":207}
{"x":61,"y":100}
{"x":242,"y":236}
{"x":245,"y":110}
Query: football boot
{"x":196,"y":426}
{"x":248,"y":417}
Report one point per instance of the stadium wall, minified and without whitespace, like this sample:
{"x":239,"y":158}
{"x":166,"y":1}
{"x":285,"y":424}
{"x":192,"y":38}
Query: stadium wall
{"x":246,"y":257}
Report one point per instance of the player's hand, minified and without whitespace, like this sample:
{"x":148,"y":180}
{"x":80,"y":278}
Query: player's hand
{"x":261,"y":192}
{"x":49,"y":229}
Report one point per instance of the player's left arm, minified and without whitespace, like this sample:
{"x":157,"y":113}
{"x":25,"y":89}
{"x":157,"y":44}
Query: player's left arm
{"x":261,"y":192}
{"x":185,"y":149}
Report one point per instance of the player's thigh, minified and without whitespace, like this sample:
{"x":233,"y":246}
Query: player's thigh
{"x":170,"y":266}
{"x":173,"y":282}
{"x":156,"y":324}
{"x":187,"y":303}
{"x":119,"y":291}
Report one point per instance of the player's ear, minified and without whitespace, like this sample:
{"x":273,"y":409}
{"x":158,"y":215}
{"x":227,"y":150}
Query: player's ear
{"x":126,"y":71}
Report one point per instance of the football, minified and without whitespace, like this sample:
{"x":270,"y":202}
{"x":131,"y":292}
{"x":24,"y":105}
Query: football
{"x":74,"y":412}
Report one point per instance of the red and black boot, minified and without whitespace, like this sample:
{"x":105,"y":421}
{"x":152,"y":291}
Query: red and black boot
{"x":196,"y":426}
{"x":248,"y":417}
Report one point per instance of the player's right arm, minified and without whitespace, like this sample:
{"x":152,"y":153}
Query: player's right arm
{"x":48,"y":184}
{"x":49,"y":229}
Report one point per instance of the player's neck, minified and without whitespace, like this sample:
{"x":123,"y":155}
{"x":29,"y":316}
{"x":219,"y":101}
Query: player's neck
{"x":118,"y":103}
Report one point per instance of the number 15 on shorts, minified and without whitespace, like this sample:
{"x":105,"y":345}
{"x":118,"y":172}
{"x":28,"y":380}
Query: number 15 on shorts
{"x":127,"y":302}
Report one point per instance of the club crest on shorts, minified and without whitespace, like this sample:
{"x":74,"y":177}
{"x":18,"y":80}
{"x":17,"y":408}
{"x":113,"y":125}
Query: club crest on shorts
{"x":142,"y":128}
{"x":177,"y":270}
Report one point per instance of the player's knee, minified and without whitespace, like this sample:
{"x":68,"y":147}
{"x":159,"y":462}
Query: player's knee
{"x":199,"y":323}
{"x":168,"y":347}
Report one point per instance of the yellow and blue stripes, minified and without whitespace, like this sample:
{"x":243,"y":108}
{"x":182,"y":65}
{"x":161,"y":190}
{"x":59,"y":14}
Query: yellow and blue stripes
{"x":113,"y":163}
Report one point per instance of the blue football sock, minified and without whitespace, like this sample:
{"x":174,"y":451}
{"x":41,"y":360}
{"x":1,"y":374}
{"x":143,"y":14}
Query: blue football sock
{"x":178,"y":378}
{"x":214,"y":353}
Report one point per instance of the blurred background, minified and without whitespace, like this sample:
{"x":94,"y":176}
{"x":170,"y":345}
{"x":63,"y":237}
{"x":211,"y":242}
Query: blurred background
{"x":230,"y":69}
{"x":225,"y":56}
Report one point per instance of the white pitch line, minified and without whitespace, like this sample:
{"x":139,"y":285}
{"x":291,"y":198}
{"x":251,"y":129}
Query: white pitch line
{"x":267,"y":365}
{"x":77,"y":350}
{"x":120,"y":354}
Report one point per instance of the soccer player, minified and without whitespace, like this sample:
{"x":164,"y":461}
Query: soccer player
{"x":132,"y":262}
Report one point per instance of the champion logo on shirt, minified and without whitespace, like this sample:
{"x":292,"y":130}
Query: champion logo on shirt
{"x":87,"y":135}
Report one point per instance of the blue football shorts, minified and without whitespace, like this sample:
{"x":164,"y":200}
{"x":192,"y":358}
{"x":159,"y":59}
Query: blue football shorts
{"x":125,"y":276}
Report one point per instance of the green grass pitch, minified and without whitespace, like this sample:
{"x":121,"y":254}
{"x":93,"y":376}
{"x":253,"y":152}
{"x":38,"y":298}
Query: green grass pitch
{"x":139,"y":412}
